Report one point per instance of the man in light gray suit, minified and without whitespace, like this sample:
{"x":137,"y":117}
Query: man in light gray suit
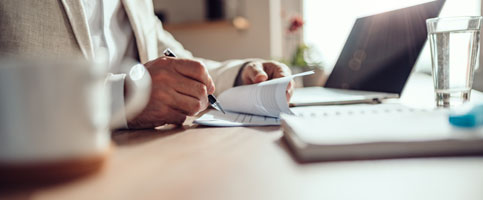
{"x":127,"y":29}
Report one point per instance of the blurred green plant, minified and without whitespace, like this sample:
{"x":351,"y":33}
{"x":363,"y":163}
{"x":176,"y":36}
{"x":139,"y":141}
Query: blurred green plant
{"x":298,"y":58}
{"x":305,"y":57}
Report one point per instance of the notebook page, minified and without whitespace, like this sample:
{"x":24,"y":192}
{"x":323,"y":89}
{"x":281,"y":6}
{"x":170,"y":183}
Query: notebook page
{"x":374,"y":123}
{"x":265,"y":99}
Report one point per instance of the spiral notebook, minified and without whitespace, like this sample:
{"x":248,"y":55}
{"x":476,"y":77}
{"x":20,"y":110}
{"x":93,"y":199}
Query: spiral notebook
{"x":353,"y":132}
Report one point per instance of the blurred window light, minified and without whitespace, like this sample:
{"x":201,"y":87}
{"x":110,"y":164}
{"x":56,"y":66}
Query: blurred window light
{"x":328,"y":23}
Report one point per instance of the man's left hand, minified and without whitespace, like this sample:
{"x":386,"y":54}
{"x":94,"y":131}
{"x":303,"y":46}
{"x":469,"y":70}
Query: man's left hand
{"x":259,"y":71}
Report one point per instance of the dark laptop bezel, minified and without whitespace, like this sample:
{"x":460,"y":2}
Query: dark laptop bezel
{"x":382,"y":49}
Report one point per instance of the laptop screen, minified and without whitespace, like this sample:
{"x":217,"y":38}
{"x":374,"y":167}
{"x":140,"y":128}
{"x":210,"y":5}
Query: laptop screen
{"x":382,"y":49}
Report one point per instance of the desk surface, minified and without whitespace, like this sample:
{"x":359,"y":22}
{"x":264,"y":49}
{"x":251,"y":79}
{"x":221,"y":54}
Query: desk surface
{"x":254,"y":163}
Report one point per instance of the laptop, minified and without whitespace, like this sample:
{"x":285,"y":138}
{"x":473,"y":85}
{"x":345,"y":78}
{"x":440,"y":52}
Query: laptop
{"x":376,"y":60}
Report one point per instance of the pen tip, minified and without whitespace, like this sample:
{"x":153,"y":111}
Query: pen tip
{"x":221,"y":109}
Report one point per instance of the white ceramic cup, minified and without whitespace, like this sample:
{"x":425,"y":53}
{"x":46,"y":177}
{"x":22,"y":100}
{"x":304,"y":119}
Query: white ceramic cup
{"x":53,"y":110}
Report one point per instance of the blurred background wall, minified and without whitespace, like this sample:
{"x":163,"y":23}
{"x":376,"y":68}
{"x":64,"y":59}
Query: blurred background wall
{"x":256,"y":35}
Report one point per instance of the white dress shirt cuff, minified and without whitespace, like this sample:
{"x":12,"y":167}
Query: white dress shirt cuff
{"x":117,"y":97}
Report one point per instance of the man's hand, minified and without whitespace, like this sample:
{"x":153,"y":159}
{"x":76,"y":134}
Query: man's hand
{"x":179,"y":89}
{"x":259,"y":71}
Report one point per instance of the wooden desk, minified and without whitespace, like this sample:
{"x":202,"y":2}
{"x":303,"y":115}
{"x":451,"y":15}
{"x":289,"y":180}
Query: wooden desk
{"x":253,"y":163}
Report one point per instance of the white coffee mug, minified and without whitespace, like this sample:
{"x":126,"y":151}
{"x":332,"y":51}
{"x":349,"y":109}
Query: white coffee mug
{"x":53,"y":110}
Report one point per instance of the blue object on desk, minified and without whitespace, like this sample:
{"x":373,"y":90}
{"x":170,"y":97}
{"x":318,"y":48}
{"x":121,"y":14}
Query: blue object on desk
{"x":469,"y":119}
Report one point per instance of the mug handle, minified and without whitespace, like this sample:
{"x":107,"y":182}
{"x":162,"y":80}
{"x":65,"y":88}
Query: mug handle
{"x":138,"y":83}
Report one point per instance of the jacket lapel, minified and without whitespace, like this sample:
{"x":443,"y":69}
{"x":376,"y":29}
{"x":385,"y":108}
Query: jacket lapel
{"x":143,"y":27}
{"x":78,"y":21}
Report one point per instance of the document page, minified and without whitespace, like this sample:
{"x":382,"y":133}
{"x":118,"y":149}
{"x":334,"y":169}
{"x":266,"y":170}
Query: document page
{"x":261,"y":103}
{"x":217,"y":118}
{"x":265,"y":99}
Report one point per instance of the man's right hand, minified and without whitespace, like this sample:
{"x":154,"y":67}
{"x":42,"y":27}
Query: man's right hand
{"x":179,"y":89}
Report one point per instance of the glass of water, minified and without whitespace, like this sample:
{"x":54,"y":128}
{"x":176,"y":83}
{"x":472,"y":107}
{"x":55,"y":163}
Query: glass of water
{"x":455,"y":44}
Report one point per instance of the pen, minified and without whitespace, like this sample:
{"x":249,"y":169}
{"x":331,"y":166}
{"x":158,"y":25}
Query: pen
{"x":211,"y":98}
